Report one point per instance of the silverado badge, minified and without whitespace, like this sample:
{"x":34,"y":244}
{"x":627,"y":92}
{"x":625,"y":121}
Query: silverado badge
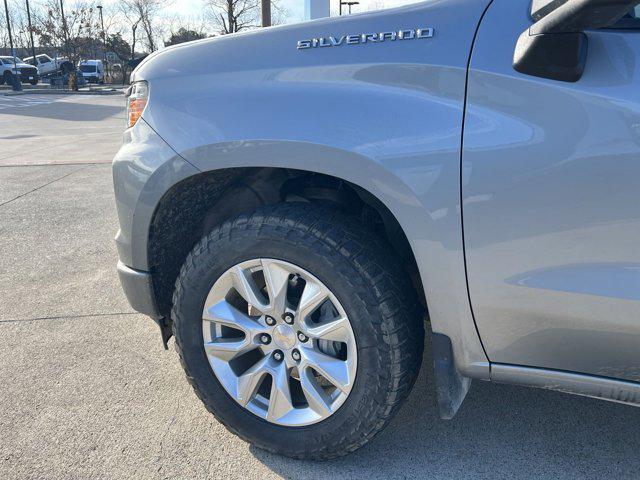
{"x":360,"y":38}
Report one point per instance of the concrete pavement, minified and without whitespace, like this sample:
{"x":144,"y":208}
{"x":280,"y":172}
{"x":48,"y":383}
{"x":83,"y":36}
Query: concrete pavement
{"x":60,"y":129}
{"x":88,"y":392}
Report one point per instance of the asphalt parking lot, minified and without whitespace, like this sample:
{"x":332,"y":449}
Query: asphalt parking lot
{"x":88,"y":392}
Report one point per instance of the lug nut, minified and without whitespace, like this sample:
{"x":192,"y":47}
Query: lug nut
{"x":295,"y":355}
{"x":288,"y":317}
{"x":278,"y":355}
{"x":265,"y":338}
{"x":302,"y":337}
{"x":270,"y":321}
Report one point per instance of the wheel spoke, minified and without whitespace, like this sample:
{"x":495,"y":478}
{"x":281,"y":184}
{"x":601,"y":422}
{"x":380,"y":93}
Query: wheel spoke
{"x":226,"y":314}
{"x":227,"y":349}
{"x":280,"y":400}
{"x":337,"y":330}
{"x":276,"y":276}
{"x":312,"y":297}
{"x":246,"y":287}
{"x":316,"y":398}
{"x":334,"y":370}
{"x":249,"y":381}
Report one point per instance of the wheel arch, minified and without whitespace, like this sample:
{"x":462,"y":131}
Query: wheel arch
{"x":423,"y":202}
{"x":194,"y":206}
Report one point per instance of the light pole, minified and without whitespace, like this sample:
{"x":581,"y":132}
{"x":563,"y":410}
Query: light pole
{"x":266,"y":13}
{"x":64,"y":29}
{"x":17,"y":85}
{"x":33,"y":45}
{"x":349,"y":4}
{"x":104,"y":40}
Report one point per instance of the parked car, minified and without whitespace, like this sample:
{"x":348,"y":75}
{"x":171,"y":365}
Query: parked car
{"x":10,"y":66}
{"x":291,"y":211}
{"x":47,"y":65}
{"x":92,"y":70}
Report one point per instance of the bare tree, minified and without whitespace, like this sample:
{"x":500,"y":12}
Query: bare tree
{"x":112,"y":19}
{"x":4,"y":34}
{"x":146,"y":13}
{"x":183,"y":35}
{"x":185,"y":28}
{"x":132,"y":20}
{"x":231,"y":16}
{"x":19,"y":26}
{"x":76,"y":34}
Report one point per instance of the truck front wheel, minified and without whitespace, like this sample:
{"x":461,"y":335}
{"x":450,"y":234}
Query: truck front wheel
{"x":298,"y":329}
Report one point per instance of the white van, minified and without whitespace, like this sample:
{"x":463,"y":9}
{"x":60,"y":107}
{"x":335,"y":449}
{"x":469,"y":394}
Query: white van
{"x":92,"y":70}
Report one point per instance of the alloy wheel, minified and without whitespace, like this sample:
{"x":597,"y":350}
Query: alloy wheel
{"x":279,"y":342}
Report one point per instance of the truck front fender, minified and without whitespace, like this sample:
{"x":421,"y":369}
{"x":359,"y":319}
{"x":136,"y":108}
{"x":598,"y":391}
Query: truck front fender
{"x":424,"y":198}
{"x":385,"y":116}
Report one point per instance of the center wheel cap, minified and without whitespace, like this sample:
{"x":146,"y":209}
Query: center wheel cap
{"x":284,"y":336}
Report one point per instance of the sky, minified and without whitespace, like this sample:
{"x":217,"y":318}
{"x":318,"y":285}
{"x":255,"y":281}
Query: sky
{"x":295,"y":8}
{"x":190,"y":12}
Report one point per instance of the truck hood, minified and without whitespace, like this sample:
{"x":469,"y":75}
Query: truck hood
{"x":268,"y":47}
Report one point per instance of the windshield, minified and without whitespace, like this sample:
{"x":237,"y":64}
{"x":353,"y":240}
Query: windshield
{"x":88,"y":68}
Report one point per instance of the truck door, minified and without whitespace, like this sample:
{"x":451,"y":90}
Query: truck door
{"x":551,"y":202}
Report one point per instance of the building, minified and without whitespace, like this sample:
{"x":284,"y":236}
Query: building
{"x":316,"y":9}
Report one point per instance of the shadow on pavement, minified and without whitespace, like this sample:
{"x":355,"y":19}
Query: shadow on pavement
{"x":500,"y":432}
{"x":68,"y":111}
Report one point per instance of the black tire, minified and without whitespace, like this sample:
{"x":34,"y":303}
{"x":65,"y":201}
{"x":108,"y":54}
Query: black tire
{"x":366,"y":278}
{"x":2,"y":81}
{"x":33,"y":82}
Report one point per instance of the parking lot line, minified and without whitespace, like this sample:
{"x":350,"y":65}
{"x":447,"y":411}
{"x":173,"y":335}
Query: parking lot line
{"x":25,"y":101}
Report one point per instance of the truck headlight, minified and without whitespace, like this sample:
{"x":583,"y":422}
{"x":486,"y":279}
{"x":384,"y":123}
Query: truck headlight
{"x":137,"y":97}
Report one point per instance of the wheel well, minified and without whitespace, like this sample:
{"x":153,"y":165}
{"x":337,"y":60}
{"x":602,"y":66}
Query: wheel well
{"x":193,"y":207}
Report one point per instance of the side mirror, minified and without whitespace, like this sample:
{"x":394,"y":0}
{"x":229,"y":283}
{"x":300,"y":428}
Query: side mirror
{"x":555,"y":46}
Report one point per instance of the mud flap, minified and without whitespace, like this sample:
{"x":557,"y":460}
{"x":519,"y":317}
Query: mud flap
{"x":451,"y":387}
{"x":165,"y":331}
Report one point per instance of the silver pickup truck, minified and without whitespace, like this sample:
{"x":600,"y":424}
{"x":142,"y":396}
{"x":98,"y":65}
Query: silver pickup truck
{"x":301,"y":207}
